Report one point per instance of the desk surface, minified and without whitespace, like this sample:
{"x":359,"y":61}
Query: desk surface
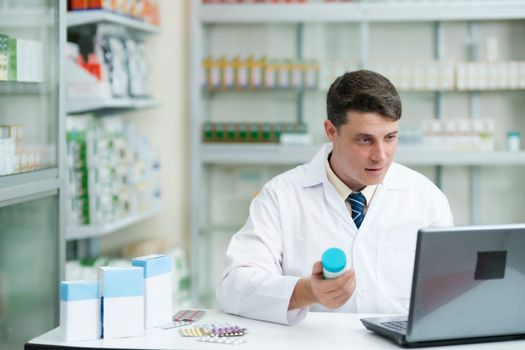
{"x":317,"y":331}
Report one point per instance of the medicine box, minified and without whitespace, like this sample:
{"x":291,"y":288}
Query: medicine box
{"x":122,"y":291}
{"x":79,"y":310}
{"x":157,"y":288}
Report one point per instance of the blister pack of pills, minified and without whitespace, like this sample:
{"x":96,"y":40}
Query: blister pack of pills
{"x":189,"y":315}
{"x":222,"y":340}
{"x":215,"y":330}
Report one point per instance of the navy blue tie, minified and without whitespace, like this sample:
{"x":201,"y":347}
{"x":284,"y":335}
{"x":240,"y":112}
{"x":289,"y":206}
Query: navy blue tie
{"x":358,"y":203}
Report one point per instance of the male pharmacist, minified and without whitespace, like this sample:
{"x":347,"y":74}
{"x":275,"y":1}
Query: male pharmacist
{"x":351,"y":196}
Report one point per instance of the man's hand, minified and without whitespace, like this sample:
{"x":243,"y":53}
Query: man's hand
{"x":331,"y":293}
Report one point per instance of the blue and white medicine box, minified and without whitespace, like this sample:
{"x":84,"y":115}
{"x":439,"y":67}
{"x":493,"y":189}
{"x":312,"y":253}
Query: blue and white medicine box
{"x":157,"y":288}
{"x":79,"y":310}
{"x":122,"y":291}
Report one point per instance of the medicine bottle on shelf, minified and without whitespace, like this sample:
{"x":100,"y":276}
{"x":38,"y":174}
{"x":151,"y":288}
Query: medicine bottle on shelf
{"x":334,"y":263}
{"x":513,"y":141}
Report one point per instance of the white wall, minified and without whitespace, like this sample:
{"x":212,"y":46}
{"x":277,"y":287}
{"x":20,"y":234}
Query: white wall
{"x":167,"y":127}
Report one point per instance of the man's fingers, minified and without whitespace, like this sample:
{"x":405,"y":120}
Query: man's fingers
{"x":339,"y":282}
{"x":317,"y":268}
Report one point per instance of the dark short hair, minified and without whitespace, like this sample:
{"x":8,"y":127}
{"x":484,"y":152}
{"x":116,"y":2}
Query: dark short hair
{"x":362,"y":91}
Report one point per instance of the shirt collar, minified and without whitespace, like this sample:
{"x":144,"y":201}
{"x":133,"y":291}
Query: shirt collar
{"x":343,"y":189}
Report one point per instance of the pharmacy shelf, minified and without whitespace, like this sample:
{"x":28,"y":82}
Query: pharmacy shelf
{"x":275,"y":154}
{"x":80,"y":18}
{"x":208,"y":92}
{"x":446,"y":10}
{"x":23,"y":88}
{"x":92,"y":231}
{"x":81,"y":106}
{"x":28,"y":184}
{"x":26,"y":18}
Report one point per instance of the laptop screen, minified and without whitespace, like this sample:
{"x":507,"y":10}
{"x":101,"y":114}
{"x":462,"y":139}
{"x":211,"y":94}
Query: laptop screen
{"x":468,"y":282}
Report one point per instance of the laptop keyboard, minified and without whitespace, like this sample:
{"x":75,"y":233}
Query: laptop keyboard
{"x":398,"y":326}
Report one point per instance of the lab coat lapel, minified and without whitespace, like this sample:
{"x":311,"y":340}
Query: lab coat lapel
{"x":384,"y":191}
{"x":316,"y":175}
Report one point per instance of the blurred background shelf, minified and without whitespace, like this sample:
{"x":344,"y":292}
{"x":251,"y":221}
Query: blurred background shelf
{"x":22,"y":88}
{"x":81,"y":18}
{"x":22,"y":186}
{"x":405,"y":11}
{"x":93,"y":231}
{"x":114,"y":104}
{"x":27,"y":17}
{"x":275,"y":154}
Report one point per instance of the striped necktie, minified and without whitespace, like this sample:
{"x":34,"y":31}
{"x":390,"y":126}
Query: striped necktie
{"x":358,"y":203}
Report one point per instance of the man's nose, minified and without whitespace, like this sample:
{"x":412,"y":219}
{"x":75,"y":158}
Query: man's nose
{"x":378,"y":152}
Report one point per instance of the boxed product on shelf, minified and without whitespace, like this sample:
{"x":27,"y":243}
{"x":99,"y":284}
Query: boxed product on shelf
{"x":249,"y":132}
{"x":21,"y":59}
{"x":113,"y":172}
{"x":117,"y":66}
{"x":4,"y":56}
{"x":15,"y":157}
{"x":258,"y":74}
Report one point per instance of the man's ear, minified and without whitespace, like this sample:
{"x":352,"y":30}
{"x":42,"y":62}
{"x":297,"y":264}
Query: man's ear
{"x":330,"y":130}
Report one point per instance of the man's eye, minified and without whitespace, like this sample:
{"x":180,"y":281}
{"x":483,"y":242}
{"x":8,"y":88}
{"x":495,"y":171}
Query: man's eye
{"x":363,"y":140}
{"x":391,"y":137}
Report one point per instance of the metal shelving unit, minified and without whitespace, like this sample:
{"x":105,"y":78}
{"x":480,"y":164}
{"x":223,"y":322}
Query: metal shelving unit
{"x":236,"y":154}
{"x":110,"y":105}
{"x":92,"y":231}
{"x":82,"y":18}
{"x":206,"y":157}
{"x":31,"y":201}
{"x":87,"y":236}
{"x":403,"y":11}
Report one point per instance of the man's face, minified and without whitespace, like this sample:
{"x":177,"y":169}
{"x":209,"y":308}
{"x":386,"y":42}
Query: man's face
{"x":363,"y":148}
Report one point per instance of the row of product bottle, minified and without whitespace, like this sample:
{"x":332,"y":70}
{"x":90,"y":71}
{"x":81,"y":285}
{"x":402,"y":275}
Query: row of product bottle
{"x":259,"y":73}
{"x":146,"y":10}
{"x":491,"y":75}
{"x":14,"y":158}
{"x":250,"y":132}
{"x":467,"y":135}
{"x":416,"y":76}
{"x":20,"y":59}
{"x":113,"y":171}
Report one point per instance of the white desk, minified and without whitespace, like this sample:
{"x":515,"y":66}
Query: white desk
{"x":318,"y":331}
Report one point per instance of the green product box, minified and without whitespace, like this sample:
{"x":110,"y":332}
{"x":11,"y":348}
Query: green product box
{"x":4,"y":39}
{"x":11,"y":66}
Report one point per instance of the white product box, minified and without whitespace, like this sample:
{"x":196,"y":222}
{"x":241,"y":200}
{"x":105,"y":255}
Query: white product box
{"x":122,"y":291}
{"x":79,"y":310}
{"x":157,"y":289}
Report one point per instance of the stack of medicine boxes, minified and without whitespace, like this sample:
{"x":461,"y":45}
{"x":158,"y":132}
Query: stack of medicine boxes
{"x":123,"y":302}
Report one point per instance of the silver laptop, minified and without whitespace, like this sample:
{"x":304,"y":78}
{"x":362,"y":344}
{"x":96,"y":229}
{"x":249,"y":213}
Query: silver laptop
{"x":468,"y":286}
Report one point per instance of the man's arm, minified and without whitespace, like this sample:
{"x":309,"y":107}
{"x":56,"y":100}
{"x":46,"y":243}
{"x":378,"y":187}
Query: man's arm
{"x":253,"y":284}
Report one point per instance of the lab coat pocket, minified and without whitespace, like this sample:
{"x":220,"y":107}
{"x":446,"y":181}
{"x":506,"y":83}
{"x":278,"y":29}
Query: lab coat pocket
{"x":395,"y":264}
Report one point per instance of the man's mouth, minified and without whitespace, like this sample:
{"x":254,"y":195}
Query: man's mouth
{"x":374,"y":170}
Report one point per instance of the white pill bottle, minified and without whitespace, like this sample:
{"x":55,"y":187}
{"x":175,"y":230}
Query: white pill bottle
{"x":334,"y":263}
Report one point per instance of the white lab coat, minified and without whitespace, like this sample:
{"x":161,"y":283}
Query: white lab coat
{"x":299,"y":214}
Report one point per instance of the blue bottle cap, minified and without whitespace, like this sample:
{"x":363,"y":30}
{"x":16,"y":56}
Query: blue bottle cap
{"x":333,"y":260}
